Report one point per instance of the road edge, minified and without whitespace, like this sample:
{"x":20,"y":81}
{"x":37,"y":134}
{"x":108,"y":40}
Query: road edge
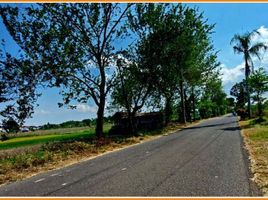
{"x":254,"y":190}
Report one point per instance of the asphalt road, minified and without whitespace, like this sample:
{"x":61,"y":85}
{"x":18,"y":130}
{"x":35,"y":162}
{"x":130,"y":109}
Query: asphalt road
{"x":203,"y":160}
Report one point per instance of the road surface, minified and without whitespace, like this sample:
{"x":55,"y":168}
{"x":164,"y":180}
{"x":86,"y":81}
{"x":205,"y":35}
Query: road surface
{"x":203,"y":160}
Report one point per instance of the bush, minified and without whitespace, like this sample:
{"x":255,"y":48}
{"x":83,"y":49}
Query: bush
{"x":242,"y":113}
{"x":3,"y":137}
{"x":11,"y":126}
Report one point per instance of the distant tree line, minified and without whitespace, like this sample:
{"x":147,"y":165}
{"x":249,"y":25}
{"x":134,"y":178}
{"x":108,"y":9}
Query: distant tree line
{"x":140,"y":57}
{"x":72,"y":124}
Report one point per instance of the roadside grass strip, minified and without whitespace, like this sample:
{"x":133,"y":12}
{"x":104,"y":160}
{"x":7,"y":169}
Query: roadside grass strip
{"x":256,"y":140}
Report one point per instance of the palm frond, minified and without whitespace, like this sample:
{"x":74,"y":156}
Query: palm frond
{"x":238,"y":49}
{"x":251,"y":34}
{"x":236,"y":39}
{"x":255,"y":50}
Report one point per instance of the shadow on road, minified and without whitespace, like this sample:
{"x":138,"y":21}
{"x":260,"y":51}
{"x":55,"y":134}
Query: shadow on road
{"x":231,"y":129}
{"x":211,"y":125}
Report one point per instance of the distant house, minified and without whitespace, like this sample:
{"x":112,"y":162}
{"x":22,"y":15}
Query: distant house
{"x":33,"y":128}
{"x":24,"y":129}
{"x":142,"y":121}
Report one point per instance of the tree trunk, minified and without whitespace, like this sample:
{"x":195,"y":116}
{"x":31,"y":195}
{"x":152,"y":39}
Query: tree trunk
{"x":183,"y":119}
{"x":168,"y":111}
{"x":259,"y":106}
{"x":101,"y":106}
{"x":131,"y":115}
{"x":99,"y":125}
{"x":131,"y":127}
{"x":247,"y":72}
{"x":193,"y":103}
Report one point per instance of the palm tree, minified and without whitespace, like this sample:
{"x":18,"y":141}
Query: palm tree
{"x":242,"y":45}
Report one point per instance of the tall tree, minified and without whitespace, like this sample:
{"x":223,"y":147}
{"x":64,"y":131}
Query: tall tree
{"x":174,"y":46}
{"x":213,"y":101}
{"x":258,"y":83}
{"x":73,"y":44}
{"x":132,"y":89}
{"x":243,"y":45}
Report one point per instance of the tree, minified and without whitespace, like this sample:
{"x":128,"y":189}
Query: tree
{"x":73,"y":44}
{"x":243,"y":46}
{"x":239,"y":91}
{"x":132,"y":89}
{"x":175,"y":50}
{"x":213,"y":101}
{"x":11,"y":126}
{"x":230,"y":102}
{"x":258,"y":82}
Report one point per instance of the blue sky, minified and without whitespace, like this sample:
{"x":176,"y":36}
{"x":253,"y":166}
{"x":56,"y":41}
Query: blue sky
{"x":229,"y":18}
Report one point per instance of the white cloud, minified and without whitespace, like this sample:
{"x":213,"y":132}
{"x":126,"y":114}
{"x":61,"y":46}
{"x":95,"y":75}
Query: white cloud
{"x":263,"y":37}
{"x":86,"y":108}
{"x":232,"y":75}
{"x":42,"y":112}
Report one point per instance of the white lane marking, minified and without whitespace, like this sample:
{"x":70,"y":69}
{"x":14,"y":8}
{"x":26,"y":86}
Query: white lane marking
{"x":147,"y":152}
{"x":54,"y":174}
{"x":39,"y":180}
{"x":216,"y":177}
{"x":123,"y":169}
{"x":64,"y":184}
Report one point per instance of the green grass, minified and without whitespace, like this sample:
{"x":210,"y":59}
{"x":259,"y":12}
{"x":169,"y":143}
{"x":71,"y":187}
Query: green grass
{"x":51,"y":131}
{"x":258,"y":128}
{"x":38,"y":138}
{"x":260,"y":135}
{"x":33,"y":140}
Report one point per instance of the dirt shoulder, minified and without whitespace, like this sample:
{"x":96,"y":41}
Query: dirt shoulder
{"x":255,"y":136}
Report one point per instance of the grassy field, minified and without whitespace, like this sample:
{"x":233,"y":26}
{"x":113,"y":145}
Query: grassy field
{"x":255,"y":134}
{"x":46,"y":136}
{"x":51,"y":131}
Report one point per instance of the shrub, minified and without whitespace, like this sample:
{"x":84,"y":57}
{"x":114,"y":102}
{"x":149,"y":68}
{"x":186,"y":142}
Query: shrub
{"x":3,"y":137}
{"x":242,"y":113}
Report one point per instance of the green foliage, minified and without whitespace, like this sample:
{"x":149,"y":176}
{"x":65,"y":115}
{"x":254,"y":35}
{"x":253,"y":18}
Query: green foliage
{"x":258,"y":82}
{"x":175,"y":51}
{"x":213,"y":101}
{"x":72,"y":45}
{"x":11,"y":126}
{"x":72,"y":124}
{"x":239,"y":91}
{"x":3,"y":137}
{"x":18,"y":81}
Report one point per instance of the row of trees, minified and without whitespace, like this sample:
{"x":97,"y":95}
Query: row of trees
{"x":141,"y":56}
{"x":255,"y":84}
{"x":257,"y":87}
